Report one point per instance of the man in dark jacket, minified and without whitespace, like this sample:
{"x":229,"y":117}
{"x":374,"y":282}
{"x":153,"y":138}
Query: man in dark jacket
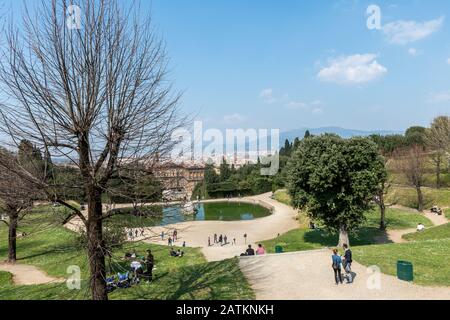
{"x":149,"y":261}
{"x":348,"y":263}
{"x":250,"y":251}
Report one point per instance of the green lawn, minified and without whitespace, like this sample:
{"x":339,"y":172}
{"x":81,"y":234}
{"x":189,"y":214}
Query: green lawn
{"x":447,"y":213}
{"x":397,"y":219}
{"x":283,"y":197}
{"x":435,"y":233}
{"x":52,"y":248}
{"x":306,"y":239}
{"x":5,"y":278}
{"x":430,"y":259}
{"x":408,"y":197}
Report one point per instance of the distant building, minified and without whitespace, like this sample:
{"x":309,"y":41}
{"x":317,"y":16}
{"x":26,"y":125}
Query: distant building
{"x":178,"y":179}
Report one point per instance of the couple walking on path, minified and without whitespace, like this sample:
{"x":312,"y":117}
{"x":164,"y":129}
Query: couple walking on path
{"x":345,"y":261}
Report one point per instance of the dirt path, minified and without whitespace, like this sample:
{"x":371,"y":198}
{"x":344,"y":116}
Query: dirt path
{"x":27,"y":274}
{"x":308,"y":275}
{"x":396,"y":236}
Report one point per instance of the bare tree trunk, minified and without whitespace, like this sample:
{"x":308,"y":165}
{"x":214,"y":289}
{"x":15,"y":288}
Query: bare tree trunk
{"x":438,"y":174}
{"x":382,"y":216}
{"x":419,"y":199}
{"x":12,"y":237}
{"x":96,"y":250}
{"x":343,"y":237}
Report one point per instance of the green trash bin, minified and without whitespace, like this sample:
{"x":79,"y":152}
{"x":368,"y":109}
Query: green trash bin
{"x":405,"y":271}
{"x":278,"y":249}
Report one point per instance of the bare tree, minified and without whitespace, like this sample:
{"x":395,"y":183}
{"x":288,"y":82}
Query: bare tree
{"x":97,"y":95}
{"x":16,"y":196}
{"x":438,"y":141}
{"x":412,"y":163}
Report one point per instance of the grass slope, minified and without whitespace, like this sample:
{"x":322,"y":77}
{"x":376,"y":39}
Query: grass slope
{"x":53,"y":248}
{"x":430,"y":259}
{"x":408,"y":197}
{"x":435,"y":233}
{"x":305,"y":239}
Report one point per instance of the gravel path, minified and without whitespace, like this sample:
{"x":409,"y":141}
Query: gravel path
{"x":308,"y":275}
{"x":27,"y":274}
{"x":396,"y":236}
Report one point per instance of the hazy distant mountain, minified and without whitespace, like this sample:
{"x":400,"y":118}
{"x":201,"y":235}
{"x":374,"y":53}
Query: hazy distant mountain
{"x":344,"y":133}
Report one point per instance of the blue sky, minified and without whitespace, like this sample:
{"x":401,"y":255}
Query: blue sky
{"x":291,"y":64}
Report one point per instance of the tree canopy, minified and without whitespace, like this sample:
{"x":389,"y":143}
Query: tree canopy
{"x":335,"y":179}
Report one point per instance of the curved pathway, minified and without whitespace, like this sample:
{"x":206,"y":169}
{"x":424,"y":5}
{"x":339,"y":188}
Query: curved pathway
{"x":396,"y":236}
{"x":27,"y":274}
{"x":308,"y":275}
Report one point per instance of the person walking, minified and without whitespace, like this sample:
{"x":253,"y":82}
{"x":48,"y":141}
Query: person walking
{"x":215,"y":237}
{"x":234,"y":241}
{"x":245,"y":238}
{"x":162,"y":235}
{"x":169,"y":241}
{"x":175,"y":234}
{"x":225,"y":239}
{"x":184,"y":244}
{"x":209,"y":241}
{"x":220,"y":239}
{"x":348,"y":259}
{"x":336,"y":264}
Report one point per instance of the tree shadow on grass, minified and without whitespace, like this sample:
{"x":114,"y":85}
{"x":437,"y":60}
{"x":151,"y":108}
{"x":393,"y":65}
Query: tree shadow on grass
{"x":215,"y":280}
{"x":364,"y":236}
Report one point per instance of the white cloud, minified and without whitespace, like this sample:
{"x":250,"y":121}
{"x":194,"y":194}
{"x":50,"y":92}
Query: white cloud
{"x":353,"y":69}
{"x":313,"y":106}
{"x":440,"y":97}
{"x":233,"y":118}
{"x":266,"y":96}
{"x":317,"y":110}
{"x":448,"y":61}
{"x":403,"y":32}
{"x":296,"y":105}
{"x":414,"y":52}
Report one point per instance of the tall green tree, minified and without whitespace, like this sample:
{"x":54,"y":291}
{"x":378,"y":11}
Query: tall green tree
{"x":334,"y":180}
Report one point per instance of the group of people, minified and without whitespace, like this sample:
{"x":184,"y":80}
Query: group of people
{"x":172,"y":238}
{"x":223,"y":240}
{"x":342,"y":261}
{"x":136,"y":233}
{"x":220,"y":239}
{"x":135,"y":273}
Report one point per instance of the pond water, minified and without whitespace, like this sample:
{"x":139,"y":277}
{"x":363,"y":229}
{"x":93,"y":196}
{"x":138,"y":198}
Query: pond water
{"x":217,"y":211}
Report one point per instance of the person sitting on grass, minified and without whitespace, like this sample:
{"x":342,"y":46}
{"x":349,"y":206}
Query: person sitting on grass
{"x":420,"y":227}
{"x":180,"y":253}
{"x":172,"y":252}
{"x":249,"y":251}
{"x":137,"y":271}
{"x":261,"y":250}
